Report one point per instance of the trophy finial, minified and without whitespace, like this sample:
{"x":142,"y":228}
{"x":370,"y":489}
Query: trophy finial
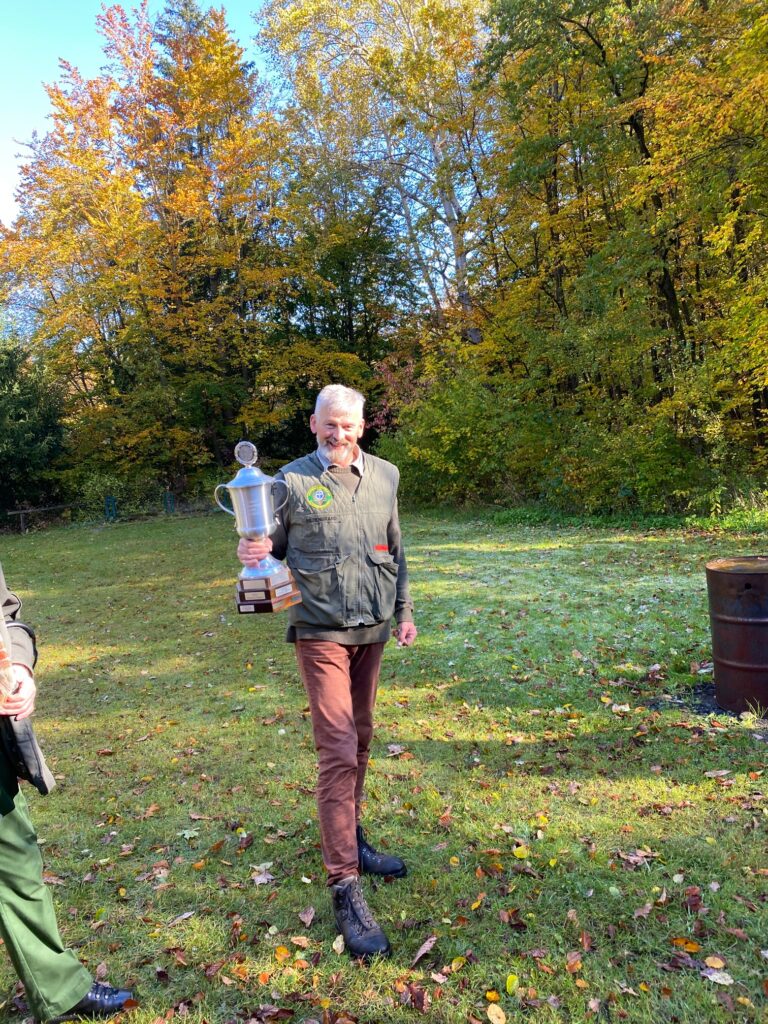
{"x":245,"y":453}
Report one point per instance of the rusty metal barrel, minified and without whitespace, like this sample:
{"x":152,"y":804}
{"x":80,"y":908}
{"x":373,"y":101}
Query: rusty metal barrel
{"x":738,"y":615}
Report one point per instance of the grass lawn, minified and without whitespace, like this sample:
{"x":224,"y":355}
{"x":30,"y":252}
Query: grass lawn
{"x":580,"y":846}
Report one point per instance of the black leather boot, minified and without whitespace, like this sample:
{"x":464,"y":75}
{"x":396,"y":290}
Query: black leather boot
{"x":362,"y":936}
{"x":371,"y":862}
{"x":99,"y":1001}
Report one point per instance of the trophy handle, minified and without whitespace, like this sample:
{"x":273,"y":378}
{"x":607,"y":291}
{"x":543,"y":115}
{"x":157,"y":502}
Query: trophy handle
{"x":216,"y":499}
{"x":278,"y":483}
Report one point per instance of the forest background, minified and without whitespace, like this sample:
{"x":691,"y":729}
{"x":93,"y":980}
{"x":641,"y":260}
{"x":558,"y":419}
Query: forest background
{"x":532,"y":232}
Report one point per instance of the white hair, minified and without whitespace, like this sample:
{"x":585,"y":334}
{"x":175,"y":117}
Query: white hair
{"x":337,"y":396}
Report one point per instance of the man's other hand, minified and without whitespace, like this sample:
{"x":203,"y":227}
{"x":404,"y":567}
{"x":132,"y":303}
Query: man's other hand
{"x":21,"y":702}
{"x":405,"y":634}
{"x":251,"y":552}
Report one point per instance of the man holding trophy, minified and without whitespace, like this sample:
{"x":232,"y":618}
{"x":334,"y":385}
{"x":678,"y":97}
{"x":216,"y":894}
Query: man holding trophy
{"x":339,"y":533}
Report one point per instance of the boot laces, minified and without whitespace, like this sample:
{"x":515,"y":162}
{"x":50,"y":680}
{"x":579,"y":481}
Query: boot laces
{"x":101,"y":991}
{"x":362,"y":910}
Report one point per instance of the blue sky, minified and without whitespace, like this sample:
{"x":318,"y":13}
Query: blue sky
{"x":36,"y":34}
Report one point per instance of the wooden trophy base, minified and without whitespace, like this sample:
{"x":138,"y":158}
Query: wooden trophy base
{"x":272,"y":593}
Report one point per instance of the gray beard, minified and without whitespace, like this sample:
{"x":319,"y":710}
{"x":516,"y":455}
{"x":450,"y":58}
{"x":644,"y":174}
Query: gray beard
{"x":333,"y":454}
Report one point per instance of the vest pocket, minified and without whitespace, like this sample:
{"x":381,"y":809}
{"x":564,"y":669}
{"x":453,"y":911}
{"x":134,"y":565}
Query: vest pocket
{"x":321,"y":592}
{"x":316,"y":533}
{"x":382,"y":571}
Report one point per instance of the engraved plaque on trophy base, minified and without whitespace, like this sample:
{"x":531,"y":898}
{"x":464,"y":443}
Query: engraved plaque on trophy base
{"x":272,"y":593}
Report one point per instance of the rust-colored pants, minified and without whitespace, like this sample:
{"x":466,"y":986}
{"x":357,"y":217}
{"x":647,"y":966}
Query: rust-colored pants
{"x":341,"y":686}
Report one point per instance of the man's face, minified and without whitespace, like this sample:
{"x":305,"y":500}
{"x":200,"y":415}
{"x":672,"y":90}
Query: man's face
{"x":337,"y":432}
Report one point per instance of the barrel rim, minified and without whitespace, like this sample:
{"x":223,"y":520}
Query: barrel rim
{"x":739,"y":563}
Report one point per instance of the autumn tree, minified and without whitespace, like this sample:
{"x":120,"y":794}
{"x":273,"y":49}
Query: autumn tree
{"x":396,"y":81}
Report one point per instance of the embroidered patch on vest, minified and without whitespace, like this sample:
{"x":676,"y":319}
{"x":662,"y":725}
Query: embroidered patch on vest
{"x":319,"y":497}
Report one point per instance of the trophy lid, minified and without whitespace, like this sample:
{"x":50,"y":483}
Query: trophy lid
{"x":250,"y":475}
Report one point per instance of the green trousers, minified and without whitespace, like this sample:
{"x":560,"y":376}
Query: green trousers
{"x":53,"y":976}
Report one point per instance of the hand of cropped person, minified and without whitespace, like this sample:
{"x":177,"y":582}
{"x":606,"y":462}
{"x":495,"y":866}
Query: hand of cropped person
{"x":21,"y":702}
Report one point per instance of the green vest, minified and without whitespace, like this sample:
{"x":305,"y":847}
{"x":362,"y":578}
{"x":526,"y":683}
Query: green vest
{"x":337,"y":544}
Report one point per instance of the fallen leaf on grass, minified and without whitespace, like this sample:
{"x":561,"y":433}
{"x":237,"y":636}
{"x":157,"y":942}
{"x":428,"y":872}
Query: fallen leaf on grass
{"x":424,"y":948}
{"x":415,"y":996}
{"x":307,"y":916}
{"x":338,"y":944}
{"x":513,"y":919}
{"x":687,"y":944}
{"x":638,"y":858}
{"x":445,"y":818}
{"x":715,"y":962}
{"x":719,"y":977}
{"x":496,"y":1015}
{"x":182,"y":917}
{"x":573,"y":961}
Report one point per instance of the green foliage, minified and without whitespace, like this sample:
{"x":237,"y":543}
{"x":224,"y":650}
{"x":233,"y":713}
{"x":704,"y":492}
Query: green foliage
{"x":644,"y":467}
{"x":31,"y":411}
{"x":455,"y":444}
{"x":470,"y":439}
{"x":134,"y":495}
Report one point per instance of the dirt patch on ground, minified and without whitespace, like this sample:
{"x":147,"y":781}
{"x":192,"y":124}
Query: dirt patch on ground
{"x":699,"y":699}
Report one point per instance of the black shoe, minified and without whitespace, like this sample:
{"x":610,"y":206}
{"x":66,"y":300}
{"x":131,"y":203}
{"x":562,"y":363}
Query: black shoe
{"x":362,"y":936}
{"x":371,"y":862}
{"x":99,"y":1001}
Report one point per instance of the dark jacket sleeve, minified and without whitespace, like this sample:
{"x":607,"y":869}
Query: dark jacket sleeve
{"x":403,"y":602}
{"x":23,"y":649}
{"x":280,"y":534}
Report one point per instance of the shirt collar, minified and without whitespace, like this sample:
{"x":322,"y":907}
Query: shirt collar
{"x":358,"y":462}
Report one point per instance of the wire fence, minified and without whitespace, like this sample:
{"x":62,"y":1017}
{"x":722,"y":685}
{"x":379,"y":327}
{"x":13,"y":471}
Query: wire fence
{"x":22,"y":520}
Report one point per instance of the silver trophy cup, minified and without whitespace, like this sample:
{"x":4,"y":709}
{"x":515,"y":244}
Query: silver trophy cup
{"x":269,"y":586}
